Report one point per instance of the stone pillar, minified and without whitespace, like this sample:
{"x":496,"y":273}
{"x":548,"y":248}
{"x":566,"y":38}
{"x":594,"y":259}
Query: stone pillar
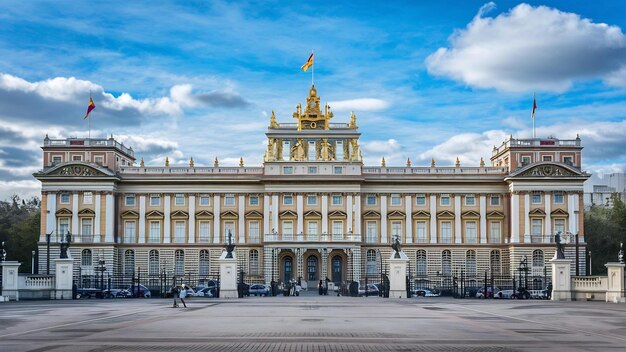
{"x":383,"y":219}
{"x":242,"y":219}
{"x":75,"y":229}
{"x":615,"y":291}
{"x":526,"y":217}
{"x":228,"y":276}
{"x":548,"y":230}
{"x":483,"y":218}
{"x":357,"y":215}
{"x":266,"y":215}
{"x":515,"y":218}
{"x":275,"y":224}
{"x":51,"y":217}
{"x":97,"y":231}
{"x":457,"y":218}
{"x":192,"y":219}
{"x":142,"y":219}
{"x":433,"y":218}
{"x":325,"y":214}
{"x":349,"y":213}
{"x":167,"y":227}
{"x":561,"y":279}
{"x":9,"y":280}
{"x":397,"y":275}
{"x":64,"y":278}
{"x":300,"y":214}
{"x":109,"y":217}
{"x":216,"y":218}
{"x":408,"y":221}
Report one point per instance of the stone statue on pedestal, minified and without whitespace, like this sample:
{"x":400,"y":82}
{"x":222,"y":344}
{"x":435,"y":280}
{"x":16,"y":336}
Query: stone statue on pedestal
{"x":230,"y":246}
{"x":65,"y":246}
{"x":620,"y":255}
{"x":560,"y":246}
{"x":396,"y":246}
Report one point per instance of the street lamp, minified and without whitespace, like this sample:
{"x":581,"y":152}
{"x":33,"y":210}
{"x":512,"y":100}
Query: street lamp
{"x":590,"y":266}
{"x":32,"y":263}
{"x":101,"y":268}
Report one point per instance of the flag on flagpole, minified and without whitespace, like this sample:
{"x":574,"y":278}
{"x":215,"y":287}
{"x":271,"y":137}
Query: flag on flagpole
{"x":534,"y":108}
{"x":90,"y":107}
{"x":308,"y":63}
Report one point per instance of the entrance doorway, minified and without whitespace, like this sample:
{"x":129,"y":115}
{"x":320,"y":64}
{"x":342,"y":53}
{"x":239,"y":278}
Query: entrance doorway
{"x":337,"y":273}
{"x":287,"y":269}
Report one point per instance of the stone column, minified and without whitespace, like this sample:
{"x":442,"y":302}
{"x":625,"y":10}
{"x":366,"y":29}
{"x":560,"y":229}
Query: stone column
{"x":275,"y":224}
{"x":75,"y":229}
{"x":142,"y":219}
{"x":192,"y":219}
{"x":242,"y":219}
{"x":167,"y":227}
{"x":408,"y":206}
{"x":515,"y":218}
{"x":97,"y":232}
{"x":383,"y":219}
{"x":51,"y":217}
{"x":349,"y":214}
{"x":561,"y":279}
{"x":216,"y":218}
{"x":109,"y":218}
{"x":457,"y":218}
{"x":483,"y":218}
{"x":64,"y":278}
{"x":266,"y":215}
{"x":527,"y":218}
{"x":357,"y":215}
{"x":397,"y":275}
{"x":10,"y":280}
{"x":228,"y":276}
{"x":548,"y":229}
{"x":300,"y":215}
{"x":324,"y":214}
{"x":433,"y":218}
{"x":572,"y":207}
{"x":615,"y":291}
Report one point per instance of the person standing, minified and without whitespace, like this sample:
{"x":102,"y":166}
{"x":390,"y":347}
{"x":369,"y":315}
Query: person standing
{"x":175,"y":294}
{"x":181,"y":295}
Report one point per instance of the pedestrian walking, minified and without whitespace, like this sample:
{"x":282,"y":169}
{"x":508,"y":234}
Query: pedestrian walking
{"x":320,"y":288}
{"x":182,"y":294}
{"x":175,"y":294}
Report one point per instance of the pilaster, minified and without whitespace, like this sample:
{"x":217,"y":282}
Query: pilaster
{"x":483,"y":218}
{"x":216,"y":218}
{"x":408,"y":221}
{"x":433,"y":218}
{"x":383,"y":219}
{"x":192,"y":219}
{"x":142,"y":219}
{"x":457,"y":218}
{"x":167,"y":227}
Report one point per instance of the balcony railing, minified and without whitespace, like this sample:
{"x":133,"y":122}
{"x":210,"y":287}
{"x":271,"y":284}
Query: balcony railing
{"x":378,"y":170}
{"x":82,"y":142}
{"x":204,"y":239}
{"x":537,"y":142}
{"x":152,"y":170}
{"x":279,"y":237}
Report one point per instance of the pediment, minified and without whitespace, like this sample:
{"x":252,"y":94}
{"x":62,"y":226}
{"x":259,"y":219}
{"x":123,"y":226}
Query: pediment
{"x":559,"y":212}
{"x":445,"y":215}
{"x":337,"y":214}
{"x":421,"y":214}
{"x":77,"y":169}
{"x":253,"y":214}
{"x":395,"y":215}
{"x":204,"y":214}
{"x":548,"y":169}
{"x":63,"y":211}
{"x":130,"y":214}
{"x":312,"y":214}
{"x":86,"y":212}
{"x":179,"y":214}
{"x":537,"y":212}
{"x":371,"y":215}
{"x":470,"y":215}
{"x":495,"y":215}
{"x":154,"y":214}
{"x":229,"y":214}
{"x":287,"y":214}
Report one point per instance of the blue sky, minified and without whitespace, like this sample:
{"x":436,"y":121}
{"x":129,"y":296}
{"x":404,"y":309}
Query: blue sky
{"x":426,"y":79}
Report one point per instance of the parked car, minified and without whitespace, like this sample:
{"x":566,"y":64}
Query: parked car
{"x":426,"y":292}
{"x":490,"y":291}
{"x":504,"y":294}
{"x":205,"y":292}
{"x":259,"y":290}
{"x":141,"y":292}
{"x":372,"y":290}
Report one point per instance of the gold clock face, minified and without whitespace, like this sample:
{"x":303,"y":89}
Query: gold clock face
{"x":312,"y":104}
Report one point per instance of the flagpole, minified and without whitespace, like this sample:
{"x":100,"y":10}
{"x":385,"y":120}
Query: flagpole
{"x":313,"y":69}
{"x":89,"y":121}
{"x":533,"y":116}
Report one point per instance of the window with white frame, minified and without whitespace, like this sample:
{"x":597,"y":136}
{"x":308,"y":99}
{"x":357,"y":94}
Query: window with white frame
{"x":371,"y":228}
{"x":129,"y":200}
{"x":538,"y":261}
{"x":254,"y":200}
{"x":179,"y":231}
{"x":153,"y":262}
{"x":287,"y":229}
{"x":470,"y":262}
{"x":396,"y":229}
{"x":312,"y":169}
{"x":287,"y":170}
{"x":87,"y":198}
{"x":337,"y":228}
{"x":86,"y":228}
{"x":287,"y":199}
{"x":311,"y":154}
{"x":446,"y":232}
{"x":536,"y":197}
{"x":203,"y":263}
{"x":337,"y":199}
{"x":254,"y":262}
{"x":129,"y":231}
{"x":444,"y":200}
{"x":155,"y":232}
{"x":546,"y":158}
{"x":65,"y":198}
{"x":558,"y":197}
{"x":205,"y":200}
{"x":446,"y":263}
{"x":204,"y":231}
{"x":470,"y":232}
{"x":494,"y":232}
{"x":286,"y":150}
{"x":370,"y":199}
{"x":421,"y":263}
{"x":559,"y":226}
{"x":229,"y":228}
{"x":179,"y":199}
{"x":312,"y":230}
{"x":155,"y":200}
{"x":495,"y":262}
{"x":338,"y":170}
{"x":129,"y":262}
{"x":339,"y":150}
{"x":229,"y":200}
{"x":311,"y":200}
{"x":395,"y":199}
{"x":525,"y":160}
{"x":536,"y":230}
{"x":86,"y":258}
{"x":77,"y":158}
{"x":370,"y":262}
{"x":420,"y":199}
{"x":99,"y":160}
{"x":568,"y":160}
{"x":179,"y":262}
{"x":64,"y":226}
{"x":420,"y":232}
{"x":495,"y":199}
{"x":253,"y":231}
{"x":57,"y":160}
{"x":470,"y":200}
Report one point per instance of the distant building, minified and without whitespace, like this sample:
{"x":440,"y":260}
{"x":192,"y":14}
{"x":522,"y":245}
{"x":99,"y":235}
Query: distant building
{"x":599,"y":192}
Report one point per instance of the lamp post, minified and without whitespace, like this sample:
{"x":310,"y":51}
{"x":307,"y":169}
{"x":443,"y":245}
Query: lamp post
{"x":32,"y":263}
{"x":590,"y":266}
{"x":48,"y":235}
{"x":101,"y":268}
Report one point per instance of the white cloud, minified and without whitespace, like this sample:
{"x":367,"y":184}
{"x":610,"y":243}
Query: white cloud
{"x":468,"y":147}
{"x":363,"y":104}
{"x":532,"y":48}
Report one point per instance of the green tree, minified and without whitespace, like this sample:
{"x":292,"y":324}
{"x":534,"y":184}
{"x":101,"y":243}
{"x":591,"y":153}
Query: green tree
{"x":605,"y":228}
{"x":19,"y":229}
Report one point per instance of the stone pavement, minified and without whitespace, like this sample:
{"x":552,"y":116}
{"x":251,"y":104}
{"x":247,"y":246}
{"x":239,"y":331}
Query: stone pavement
{"x":312,"y":323}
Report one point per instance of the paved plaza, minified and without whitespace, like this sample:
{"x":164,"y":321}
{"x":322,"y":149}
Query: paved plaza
{"x":312,"y":323}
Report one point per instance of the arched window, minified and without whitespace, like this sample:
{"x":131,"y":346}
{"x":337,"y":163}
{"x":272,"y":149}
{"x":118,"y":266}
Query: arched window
{"x":179,"y":262}
{"x":311,"y":268}
{"x":153,"y":262}
{"x":203,"y":264}
{"x":495,"y":262}
{"x":422,"y":264}
{"x":254,"y":262}
{"x":446,"y":263}
{"x":470,"y":262}
{"x":129,"y":262}
{"x":538,"y":261}
{"x":85,"y":258}
{"x":287,"y":269}
{"x":370,"y":262}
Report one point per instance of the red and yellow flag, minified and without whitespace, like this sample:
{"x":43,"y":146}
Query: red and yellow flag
{"x":90,"y":107}
{"x":532,"y":115}
{"x":308,"y":63}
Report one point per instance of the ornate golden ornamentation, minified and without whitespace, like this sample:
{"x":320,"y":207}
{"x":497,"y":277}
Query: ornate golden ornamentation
{"x":352,"y":123}
{"x":547,"y":170}
{"x":273,"y":123}
{"x":191,"y":162}
{"x":312,"y":117}
{"x":432,"y":162}
{"x":482,"y":162}
{"x":77,"y":170}
{"x":141,"y":163}
{"x":216,"y":163}
{"x":408,"y":162}
{"x":458,"y":162}
{"x":383,"y":163}
{"x":241,"y":162}
{"x":167,"y":162}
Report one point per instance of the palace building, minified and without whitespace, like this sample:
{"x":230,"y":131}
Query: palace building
{"x":312,"y":210}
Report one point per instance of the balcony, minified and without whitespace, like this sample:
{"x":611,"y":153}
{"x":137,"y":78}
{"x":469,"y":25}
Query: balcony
{"x":86,"y":142}
{"x":204,"y":239}
{"x":378,"y":170}
{"x":312,"y":238}
{"x":536,"y":142}
{"x":184,"y":170}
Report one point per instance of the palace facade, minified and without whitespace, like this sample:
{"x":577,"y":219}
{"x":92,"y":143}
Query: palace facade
{"x":312,"y":210}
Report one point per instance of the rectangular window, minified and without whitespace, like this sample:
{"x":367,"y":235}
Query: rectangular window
{"x":65,"y":198}
{"x":337,"y":230}
{"x":155,"y":232}
{"x":470,"y":200}
{"x":568,"y":160}
{"x":338,"y":170}
{"x":339,"y":150}
{"x":57,"y":160}
{"x":420,"y":232}
{"x":64,"y":226}
{"x":470,"y":232}
{"x":99,"y":160}
{"x":288,"y":230}
{"x":312,"y":169}
{"x":395,"y":199}
{"x":311,"y":200}
{"x":370,"y":199}
{"x":446,"y":232}
{"x":559,"y":226}
{"x":254,"y":200}
{"x":204,"y":231}
{"x":205,"y":200}
{"x":287,"y":200}
{"x":229,"y":228}
{"x":286,"y":150}
{"x":288,"y":170}
{"x":311,"y":150}
{"x":155,"y":200}
{"x":86,"y":228}
{"x":420,"y":199}
{"x":129,"y":200}
{"x":525,"y":160}
{"x":179,"y":232}
{"x":536,"y":231}
{"x":558,"y":197}
{"x":495,"y":199}
{"x":396,"y":229}
{"x":253,"y":231}
{"x":372,"y":231}
{"x":536,"y":198}
{"x":337,"y":199}
{"x":129,"y":231}
{"x":77,"y":158}
{"x":444,"y":200}
{"x":311,"y":231}
{"x":87,"y":198}
{"x":546,"y":158}
{"x":494,"y":232}
{"x":229,"y":200}
{"x":179,"y":199}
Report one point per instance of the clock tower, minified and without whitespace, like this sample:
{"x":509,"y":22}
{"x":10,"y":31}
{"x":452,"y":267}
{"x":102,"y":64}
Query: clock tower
{"x":312,"y":118}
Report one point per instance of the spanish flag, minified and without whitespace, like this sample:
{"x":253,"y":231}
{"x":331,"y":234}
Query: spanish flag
{"x":90,"y":107}
{"x":308,"y":63}
{"x":532,"y":115}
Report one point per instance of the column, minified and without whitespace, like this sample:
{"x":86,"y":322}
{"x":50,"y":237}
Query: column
{"x":167,"y":210}
{"x":275,"y":224}
{"x":433,"y":218}
{"x":357,"y":215}
{"x":548,"y":228}
{"x":51,"y":217}
{"x":408,"y":207}
{"x":109,"y":218}
{"x":572,"y":204}
{"x":216,"y":218}
{"x":324,"y":264}
{"x":242,"y":219}
{"x":324,"y":214}
{"x":457,"y":218}
{"x":383,"y":218}
{"x":142,"y":219}
{"x":192,"y":219}
{"x":300,"y":213}
{"x":266,"y":215}
{"x":349,"y":213}
{"x":527,"y":228}
{"x":75,"y":230}
{"x":96,"y":226}
{"x":483,"y":218}
{"x":515,"y":218}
